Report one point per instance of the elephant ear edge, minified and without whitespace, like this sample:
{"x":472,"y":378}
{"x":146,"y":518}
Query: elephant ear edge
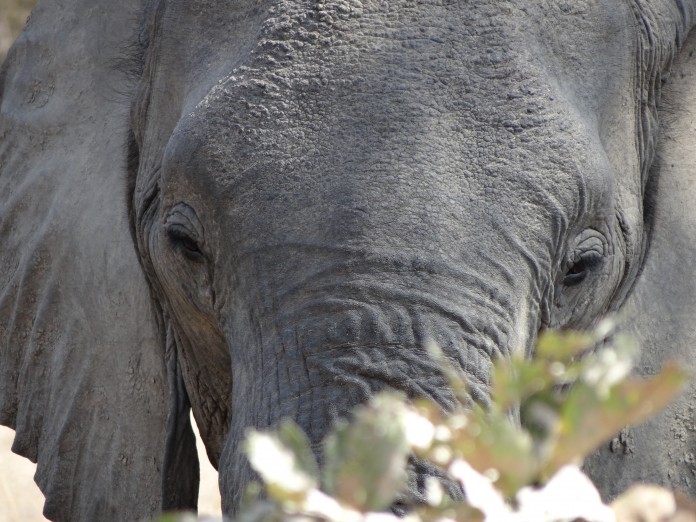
{"x":661,"y":310}
{"x":83,"y":376}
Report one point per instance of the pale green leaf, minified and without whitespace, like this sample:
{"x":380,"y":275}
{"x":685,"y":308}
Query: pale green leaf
{"x":280,"y":469}
{"x":365,"y":461}
{"x":589,"y":418}
{"x":292,"y":436}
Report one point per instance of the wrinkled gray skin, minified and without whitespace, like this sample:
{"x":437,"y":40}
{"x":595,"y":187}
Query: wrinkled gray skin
{"x":265,"y":209}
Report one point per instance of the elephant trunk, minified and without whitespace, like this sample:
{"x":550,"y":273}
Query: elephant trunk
{"x":328,"y":344}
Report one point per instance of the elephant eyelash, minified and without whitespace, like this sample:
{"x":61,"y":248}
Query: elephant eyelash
{"x":579,"y":269}
{"x":575,"y":275}
{"x":182,"y":240}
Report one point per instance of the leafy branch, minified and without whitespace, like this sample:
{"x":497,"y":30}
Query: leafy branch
{"x":517,"y":459}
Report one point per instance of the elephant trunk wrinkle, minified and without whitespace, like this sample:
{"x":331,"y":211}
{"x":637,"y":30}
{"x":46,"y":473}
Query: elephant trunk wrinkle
{"x":321,"y":337}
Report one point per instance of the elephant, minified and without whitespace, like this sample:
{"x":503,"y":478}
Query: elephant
{"x":267,"y":209}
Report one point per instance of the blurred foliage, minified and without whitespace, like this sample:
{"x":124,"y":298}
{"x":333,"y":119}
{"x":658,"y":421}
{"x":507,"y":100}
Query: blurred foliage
{"x":13,"y":15}
{"x":517,"y":459}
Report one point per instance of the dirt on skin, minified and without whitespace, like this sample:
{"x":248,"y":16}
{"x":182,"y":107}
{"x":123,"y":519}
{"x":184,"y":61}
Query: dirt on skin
{"x":21,"y":500}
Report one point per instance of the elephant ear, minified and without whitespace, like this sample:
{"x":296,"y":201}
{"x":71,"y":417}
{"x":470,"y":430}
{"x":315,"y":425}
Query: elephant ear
{"x":661,"y":311}
{"x":84,"y":379}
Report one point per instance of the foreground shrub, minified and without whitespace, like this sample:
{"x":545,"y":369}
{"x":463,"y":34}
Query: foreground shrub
{"x":517,"y":459}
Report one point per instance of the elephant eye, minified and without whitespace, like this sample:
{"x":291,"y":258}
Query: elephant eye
{"x":186,"y":244}
{"x":185,"y":232}
{"x":581,"y":267}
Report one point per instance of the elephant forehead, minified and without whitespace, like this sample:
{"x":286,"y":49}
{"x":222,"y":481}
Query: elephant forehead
{"x":487,"y":67}
{"x":432,"y":105}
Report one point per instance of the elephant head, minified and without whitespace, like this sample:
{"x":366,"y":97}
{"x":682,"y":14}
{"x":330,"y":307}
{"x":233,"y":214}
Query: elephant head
{"x":266,"y":209}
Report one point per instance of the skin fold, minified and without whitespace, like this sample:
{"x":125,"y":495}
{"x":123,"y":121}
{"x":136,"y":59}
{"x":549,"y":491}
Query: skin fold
{"x":267,"y":209}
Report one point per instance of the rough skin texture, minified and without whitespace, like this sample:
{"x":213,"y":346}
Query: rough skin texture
{"x":268,"y":208}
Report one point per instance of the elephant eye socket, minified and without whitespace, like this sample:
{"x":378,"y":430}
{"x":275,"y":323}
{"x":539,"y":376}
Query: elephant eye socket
{"x":187,"y":245}
{"x":581,"y":267}
{"x":185,"y":232}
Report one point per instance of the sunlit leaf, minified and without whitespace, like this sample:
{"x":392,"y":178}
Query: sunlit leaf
{"x":609,"y":366}
{"x":365,"y":460}
{"x":495,"y":444}
{"x":563,"y":345}
{"x":292,"y":436}
{"x":460,"y":512}
{"x":642,"y":502}
{"x":278,"y":466}
{"x":569,"y":495}
{"x":588,"y":419}
{"x":516,"y":380}
{"x":480,"y":491}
